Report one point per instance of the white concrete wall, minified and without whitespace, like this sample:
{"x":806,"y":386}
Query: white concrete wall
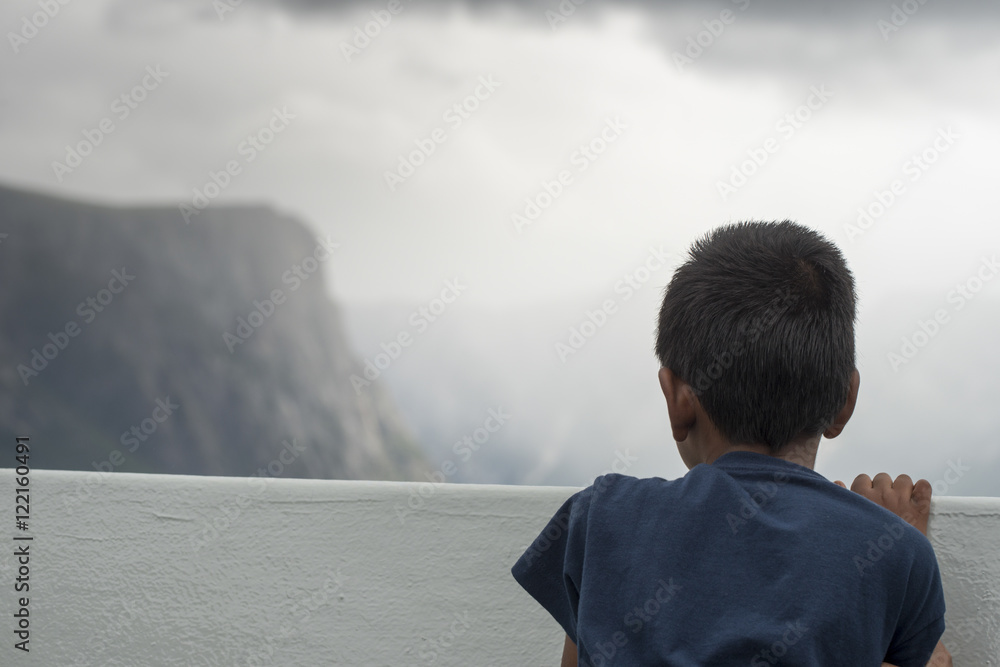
{"x":125,"y":571}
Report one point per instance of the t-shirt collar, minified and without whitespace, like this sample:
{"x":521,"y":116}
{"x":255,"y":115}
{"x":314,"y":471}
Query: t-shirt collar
{"x":743,"y":460}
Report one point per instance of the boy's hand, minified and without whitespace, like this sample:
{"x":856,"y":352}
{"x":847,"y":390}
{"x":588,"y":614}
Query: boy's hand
{"x":909,"y":501}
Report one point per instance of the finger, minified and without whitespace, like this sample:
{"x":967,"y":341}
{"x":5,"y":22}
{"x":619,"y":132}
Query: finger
{"x":862,"y":483}
{"x":921,"y":496}
{"x":904,"y":485}
{"x":882,"y":481}
{"x":840,"y":484}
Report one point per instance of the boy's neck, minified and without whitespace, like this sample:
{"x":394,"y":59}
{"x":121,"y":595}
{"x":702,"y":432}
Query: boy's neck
{"x":802,"y":452}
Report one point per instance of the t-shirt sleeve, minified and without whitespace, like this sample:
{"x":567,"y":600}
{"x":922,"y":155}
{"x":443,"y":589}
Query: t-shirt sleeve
{"x":550,"y":569}
{"x":921,"y":621}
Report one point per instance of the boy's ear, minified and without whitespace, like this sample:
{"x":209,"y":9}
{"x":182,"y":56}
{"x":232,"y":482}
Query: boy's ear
{"x":680,"y":403}
{"x":845,"y":412}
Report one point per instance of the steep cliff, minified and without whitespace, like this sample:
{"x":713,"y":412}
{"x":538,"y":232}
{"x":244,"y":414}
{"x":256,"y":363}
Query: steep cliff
{"x":132,"y":341}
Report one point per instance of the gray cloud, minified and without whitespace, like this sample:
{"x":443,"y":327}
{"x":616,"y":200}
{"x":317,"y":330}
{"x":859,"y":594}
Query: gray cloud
{"x":803,"y":42}
{"x":823,"y":12}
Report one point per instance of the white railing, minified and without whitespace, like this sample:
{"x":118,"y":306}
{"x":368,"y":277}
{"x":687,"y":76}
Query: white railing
{"x":148,"y":570}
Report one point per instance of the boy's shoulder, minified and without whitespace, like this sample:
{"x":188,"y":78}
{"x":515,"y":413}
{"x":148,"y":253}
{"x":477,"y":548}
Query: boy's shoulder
{"x":792,"y":492}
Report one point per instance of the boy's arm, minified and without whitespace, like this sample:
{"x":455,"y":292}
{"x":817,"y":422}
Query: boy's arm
{"x":551,"y":568}
{"x":569,"y":658}
{"x":940,"y":658}
{"x":910,"y":502}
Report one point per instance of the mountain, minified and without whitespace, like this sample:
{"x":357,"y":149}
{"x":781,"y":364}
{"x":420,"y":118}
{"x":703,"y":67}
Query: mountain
{"x":131,"y":340}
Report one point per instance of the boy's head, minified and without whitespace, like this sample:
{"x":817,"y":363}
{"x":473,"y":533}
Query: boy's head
{"x":756,"y":341}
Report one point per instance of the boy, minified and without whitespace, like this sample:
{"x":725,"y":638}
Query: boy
{"x":751,"y":558}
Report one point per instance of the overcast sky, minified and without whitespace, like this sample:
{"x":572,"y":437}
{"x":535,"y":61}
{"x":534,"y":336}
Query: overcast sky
{"x":685,"y":128}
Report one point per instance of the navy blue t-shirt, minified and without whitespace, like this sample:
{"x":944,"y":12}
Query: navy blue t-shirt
{"x":751,"y":560}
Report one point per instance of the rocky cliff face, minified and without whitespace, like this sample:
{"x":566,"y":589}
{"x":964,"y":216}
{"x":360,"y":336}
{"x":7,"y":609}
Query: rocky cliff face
{"x":131,"y":341}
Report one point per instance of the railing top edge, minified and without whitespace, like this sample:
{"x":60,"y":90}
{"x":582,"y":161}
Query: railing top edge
{"x":942,"y":504}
